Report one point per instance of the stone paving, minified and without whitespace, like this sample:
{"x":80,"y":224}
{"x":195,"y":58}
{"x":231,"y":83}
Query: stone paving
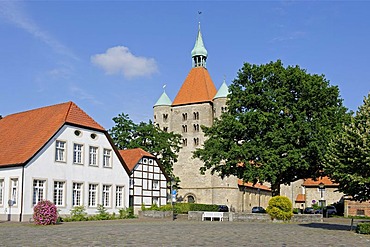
{"x":181,"y":233}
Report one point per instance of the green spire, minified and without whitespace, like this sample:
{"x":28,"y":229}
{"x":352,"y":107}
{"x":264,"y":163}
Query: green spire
{"x":223,"y":91}
{"x":164,"y":100}
{"x":199,"y":52}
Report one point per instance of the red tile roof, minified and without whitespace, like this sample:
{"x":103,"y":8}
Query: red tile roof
{"x":23,"y":134}
{"x":301,"y":198}
{"x":256,"y":186}
{"x":198,"y":87}
{"x":133,"y":156}
{"x":309,"y":182}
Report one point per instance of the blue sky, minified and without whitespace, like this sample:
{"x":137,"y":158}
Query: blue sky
{"x":114,"y":57}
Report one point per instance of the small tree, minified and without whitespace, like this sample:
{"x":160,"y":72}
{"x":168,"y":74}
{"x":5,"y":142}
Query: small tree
{"x":45,"y":213}
{"x":280,"y":208}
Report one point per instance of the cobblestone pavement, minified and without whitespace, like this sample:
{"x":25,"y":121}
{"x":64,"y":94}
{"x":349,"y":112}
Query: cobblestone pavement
{"x":181,"y":233}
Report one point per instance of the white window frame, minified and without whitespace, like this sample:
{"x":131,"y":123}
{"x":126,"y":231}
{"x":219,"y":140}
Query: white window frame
{"x":60,"y":151}
{"x":14,"y":191}
{"x":59,"y":193}
{"x":107,"y":157}
{"x":119,"y":196}
{"x":93,"y":156}
{"x":106,"y":195}
{"x":93,"y":195}
{"x":2,"y":191}
{"x":38,"y":190}
{"x":78,"y":156}
{"x":77,"y":193}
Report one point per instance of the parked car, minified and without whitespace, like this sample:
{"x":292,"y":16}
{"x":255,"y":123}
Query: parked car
{"x":330,"y":210}
{"x":309,"y":210}
{"x":223,"y":208}
{"x":260,"y":210}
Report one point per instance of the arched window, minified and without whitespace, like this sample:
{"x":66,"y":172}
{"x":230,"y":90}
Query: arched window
{"x":191,"y":199}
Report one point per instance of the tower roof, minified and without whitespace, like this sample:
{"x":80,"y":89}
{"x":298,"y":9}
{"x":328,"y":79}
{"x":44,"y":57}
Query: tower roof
{"x":164,"y":100}
{"x":199,"y":48}
{"x":198,"y":87}
{"x":223,"y":91}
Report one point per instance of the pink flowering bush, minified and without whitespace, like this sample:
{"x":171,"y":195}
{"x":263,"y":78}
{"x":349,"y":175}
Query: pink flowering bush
{"x":45,"y":213}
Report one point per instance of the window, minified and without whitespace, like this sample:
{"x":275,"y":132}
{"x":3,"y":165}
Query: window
{"x":184,"y":128}
{"x":38,"y":191}
{"x":77,"y":153}
{"x":196,"y":115}
{"x":1,"y":191}
{"x":191,"y":199}
{"x":14,"y":190}
{"x":119,"y":196}
{"x":196,"y":127}
{"x":77,"y":194}
{"x":165,"y":129}
{"x":155,"y":184}
{"x":155,"y":200}
{"x":93,"y":190}
{"x":77,"y":132}
{"x":185,"y":142}
{"x":58,"y":193}
{"x":165,"y":117}
{"x":93,"y":136}
{"x":93,"y":156}
{"x":107,"y":158}
{"x":106,"y":195}
{"x":60,"y":151}
{"x":196,"y":141}
{"x":184,"y":116}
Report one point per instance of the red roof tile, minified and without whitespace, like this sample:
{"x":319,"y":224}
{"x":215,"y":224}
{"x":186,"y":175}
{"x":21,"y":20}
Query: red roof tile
{"x":133,"y":156}
{"x":198,"y":87}
{"x":23,"y":134}
{"x":314,"y":183}
{"x":256,"y":186}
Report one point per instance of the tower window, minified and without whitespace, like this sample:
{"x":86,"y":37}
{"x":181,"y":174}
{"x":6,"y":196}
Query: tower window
{"x":196,"y":141}
{"x":196,"y":127}
{"x":185,"y":142}
{"x":165,"y":117}
{"x":184,"y":128}
{"x":196,"y":115}
{"x":184,"y":116}
{"x":165,"y":129}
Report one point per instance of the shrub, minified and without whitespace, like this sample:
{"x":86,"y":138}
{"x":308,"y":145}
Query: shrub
{"x":280,"y":208}
{"x":363,"y":228}
{"x":45,"y":213}
{"x":127,"y":213}
{"x":102,"y":213}
{"x":78,"y":213}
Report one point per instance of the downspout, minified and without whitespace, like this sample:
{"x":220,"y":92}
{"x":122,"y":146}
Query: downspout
{"x":20,"y":216}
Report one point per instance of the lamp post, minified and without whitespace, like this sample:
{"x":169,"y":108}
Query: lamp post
{"x":322,"y":187}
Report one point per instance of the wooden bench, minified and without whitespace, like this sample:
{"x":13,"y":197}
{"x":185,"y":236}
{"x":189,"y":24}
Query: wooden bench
{"x":213,"y":215}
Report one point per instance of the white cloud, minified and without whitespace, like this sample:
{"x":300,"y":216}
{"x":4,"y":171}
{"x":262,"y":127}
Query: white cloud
{"x":289,"y":36}
{"x":119,"y":60}
{"x":13,"y":12}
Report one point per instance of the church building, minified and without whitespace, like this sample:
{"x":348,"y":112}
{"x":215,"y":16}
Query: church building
{"x":197,"y":103}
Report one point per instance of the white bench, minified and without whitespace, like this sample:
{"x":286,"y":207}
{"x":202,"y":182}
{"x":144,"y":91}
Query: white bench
{"x":212,"y":215}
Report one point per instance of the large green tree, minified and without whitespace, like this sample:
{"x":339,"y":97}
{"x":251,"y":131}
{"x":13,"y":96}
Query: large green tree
{"x":348,"y":157}
{"x":164,"y":145}
{"x":277,"y":128}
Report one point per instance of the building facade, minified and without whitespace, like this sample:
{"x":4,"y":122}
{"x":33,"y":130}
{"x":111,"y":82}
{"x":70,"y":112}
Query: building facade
{"x":199,"y":103}
{"x":61,"y":154}
{"x":148,"y":180}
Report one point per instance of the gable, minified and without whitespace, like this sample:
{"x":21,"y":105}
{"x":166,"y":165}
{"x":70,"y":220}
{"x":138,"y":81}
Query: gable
{"x":23,"y":134}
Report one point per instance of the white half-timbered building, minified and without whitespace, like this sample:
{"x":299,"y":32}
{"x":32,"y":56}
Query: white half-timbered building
{"x":148,"y":180}
{"x":61,"y":154}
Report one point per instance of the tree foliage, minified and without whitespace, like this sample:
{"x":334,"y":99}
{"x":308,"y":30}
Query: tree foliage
{"x":348,"y":157}
{"x":164,"y":145}
{"x":277,"y":127}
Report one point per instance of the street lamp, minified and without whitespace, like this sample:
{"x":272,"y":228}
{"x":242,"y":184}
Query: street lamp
{"x":322,"y":187}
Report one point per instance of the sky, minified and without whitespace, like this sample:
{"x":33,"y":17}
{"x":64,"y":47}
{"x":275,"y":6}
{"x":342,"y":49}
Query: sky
{"x":113,"y":57}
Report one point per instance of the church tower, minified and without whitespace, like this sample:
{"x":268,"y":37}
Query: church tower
{"x":196,"y":103}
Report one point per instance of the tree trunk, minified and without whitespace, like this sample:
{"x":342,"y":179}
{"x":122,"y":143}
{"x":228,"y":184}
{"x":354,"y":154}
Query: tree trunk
{"x":275,"y":189}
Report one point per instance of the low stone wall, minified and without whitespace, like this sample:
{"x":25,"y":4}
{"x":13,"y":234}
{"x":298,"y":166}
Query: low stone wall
{"x":250,"y":217}
{"x":155,"y":214}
